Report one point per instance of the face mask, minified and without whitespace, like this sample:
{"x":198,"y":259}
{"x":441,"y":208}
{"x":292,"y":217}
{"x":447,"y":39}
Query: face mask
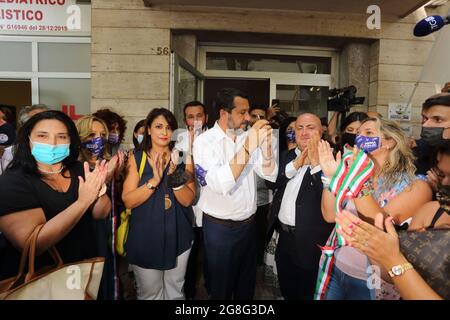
{"x":367,"y":144}
{"x":48,"y":153}
{"x":140,"y":138}
{"x":432,"y":135}
{"x":443,"y":197}
{"x":95,"y":146}
{"x":290,"y":136}
{"x":113,"y":138}
{"x":348,"y":138}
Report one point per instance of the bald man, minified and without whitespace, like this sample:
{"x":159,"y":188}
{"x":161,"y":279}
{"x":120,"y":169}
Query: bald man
{"x":297,"y":215}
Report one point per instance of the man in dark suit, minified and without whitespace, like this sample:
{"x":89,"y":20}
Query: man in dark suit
{"x":296,"y":212}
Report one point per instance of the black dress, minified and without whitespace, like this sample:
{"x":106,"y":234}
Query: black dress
{"x":19,"y":192}
{"x":156,"y":236}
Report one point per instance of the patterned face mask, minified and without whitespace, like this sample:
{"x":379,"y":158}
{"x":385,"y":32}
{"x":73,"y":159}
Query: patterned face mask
{"x":368,"y":144}
{"x":95,"y":146}
{"x":290,"y":136}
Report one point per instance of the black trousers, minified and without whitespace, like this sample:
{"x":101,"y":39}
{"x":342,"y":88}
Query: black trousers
{"x":231,"y":259}
{"x":194,"y":264}
{"x":261,"y":223}
{"x":297,"y":282}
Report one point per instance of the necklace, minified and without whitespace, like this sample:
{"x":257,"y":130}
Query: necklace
{"x":51,"y":172}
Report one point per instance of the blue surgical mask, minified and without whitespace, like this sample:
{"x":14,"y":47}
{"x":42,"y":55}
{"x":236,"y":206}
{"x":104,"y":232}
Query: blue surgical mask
{"x":140,"y":138}
{"x":49,"y":153}
{"x":368,"y":144}
{"x":113,"y":138}
{"x":290,"y":136}
{"x":95,"y":146}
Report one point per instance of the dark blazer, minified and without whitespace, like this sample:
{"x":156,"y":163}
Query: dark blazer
{"x":310,"y":227}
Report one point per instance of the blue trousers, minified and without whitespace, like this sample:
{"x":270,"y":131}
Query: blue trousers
{"x":345,"y":287}
{"x":231,"y":260}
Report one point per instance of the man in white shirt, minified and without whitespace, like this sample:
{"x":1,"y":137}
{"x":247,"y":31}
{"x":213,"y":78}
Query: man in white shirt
{"x":300,"y":223}
{"x":195,"y":119}
{"x":226,"y":161}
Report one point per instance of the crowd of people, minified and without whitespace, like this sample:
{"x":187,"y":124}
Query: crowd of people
{"x":256,"y":190}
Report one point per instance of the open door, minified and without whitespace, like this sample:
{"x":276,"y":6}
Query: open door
{"x":186,"y":84}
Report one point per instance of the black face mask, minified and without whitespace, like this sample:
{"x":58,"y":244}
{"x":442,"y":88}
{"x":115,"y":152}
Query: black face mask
{"x":432,"y":135}
{"x":348,"y":138}
{"x":443,"y":197}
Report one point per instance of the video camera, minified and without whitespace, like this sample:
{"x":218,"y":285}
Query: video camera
{"x":341,"y":100}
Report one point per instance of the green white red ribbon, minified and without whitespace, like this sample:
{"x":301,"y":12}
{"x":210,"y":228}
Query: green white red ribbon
{"x":346,"y":183}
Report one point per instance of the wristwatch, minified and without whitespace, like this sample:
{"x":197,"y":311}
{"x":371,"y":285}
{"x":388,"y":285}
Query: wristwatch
{"x":150,"y":186}
{"x":400,"y":269}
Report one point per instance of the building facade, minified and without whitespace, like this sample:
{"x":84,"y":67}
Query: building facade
{"x":146,"y":54}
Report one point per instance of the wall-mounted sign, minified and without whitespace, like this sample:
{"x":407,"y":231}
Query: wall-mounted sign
{"x":399,"y":111}
{"x":44,"y":17}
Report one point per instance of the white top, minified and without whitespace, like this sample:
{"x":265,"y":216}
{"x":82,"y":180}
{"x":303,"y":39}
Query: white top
{"x":287,"y":208}
{"x":221,"y":196}
{"x":6,"y":158}
{"x":182,"y":144}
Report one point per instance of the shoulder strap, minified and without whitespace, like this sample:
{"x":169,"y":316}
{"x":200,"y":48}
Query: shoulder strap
{"x":436,"y":217}
{"x":142,"y":165}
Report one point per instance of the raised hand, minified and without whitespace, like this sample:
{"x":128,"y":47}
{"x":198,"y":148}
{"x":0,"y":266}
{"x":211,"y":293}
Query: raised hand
{"x":313,"y":150}
{"x":89,"y":187}
{"x":175,"y":160}
{"x":157,"y":164}
{"x":328,"y":163}
{"x":256,"y":135}
{"x":382,"y":247}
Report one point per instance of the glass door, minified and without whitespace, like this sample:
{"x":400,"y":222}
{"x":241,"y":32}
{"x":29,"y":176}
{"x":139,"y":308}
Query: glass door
{"x":186,"y":84}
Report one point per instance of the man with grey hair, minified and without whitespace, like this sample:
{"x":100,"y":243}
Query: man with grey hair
{"x":296,"y":212}
{"x":27,"y":112}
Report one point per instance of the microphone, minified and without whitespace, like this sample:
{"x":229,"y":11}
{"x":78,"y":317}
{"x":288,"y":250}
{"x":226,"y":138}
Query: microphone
{"x":430,"y":24}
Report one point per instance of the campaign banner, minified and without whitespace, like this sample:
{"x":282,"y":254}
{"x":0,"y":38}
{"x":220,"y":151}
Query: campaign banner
{"x":44,"y":17}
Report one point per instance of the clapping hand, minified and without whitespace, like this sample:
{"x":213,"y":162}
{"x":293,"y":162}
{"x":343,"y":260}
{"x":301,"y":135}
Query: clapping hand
{"x":90,"y":186}
{"x":328,"y":163}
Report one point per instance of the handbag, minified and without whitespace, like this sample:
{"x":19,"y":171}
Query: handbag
{"x":122,"y":230}
{"x":74,"y":281}
{"x":428,"y":251}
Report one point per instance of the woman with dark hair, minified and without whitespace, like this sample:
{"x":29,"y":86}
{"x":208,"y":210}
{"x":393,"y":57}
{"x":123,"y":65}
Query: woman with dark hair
{"x":348,"y":129}
{"x":138,"y":134}
{"x":160,"y":234}
{"x":45,"y":184}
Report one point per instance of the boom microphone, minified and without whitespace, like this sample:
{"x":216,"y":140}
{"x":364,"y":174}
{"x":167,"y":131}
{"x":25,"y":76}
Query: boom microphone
{"x":430,"y":24}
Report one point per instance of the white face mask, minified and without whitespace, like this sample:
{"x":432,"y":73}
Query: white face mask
{"x":140,"y":138}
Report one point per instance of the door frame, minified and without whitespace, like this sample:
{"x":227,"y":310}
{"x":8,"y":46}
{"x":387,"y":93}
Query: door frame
{"x":276,"y":78}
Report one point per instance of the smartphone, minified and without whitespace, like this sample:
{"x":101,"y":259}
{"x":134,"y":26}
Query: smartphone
{"x":197,"y":128}
{"x":276,"y":102}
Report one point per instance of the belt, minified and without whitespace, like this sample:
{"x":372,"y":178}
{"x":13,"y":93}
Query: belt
{"x":287,"y":228}
{"x":229,"y":223}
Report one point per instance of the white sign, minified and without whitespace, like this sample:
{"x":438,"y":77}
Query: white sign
{"x":399,"y":111}
{"x":44,"y":17}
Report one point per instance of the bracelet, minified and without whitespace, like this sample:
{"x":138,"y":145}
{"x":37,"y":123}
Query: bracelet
{"x":325,"y":181}
{"x":178,"y":188}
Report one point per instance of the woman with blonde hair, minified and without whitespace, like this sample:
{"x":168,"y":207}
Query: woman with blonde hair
{"x":93,"y":133}
{"x":393,"y":190}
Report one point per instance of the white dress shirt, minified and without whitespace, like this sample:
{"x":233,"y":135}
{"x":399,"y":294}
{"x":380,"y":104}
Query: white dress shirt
{"x":221,"y":196}
{"x":287,"y":208}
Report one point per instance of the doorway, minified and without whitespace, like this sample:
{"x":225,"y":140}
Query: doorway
{"x":15,"y":94}
{"x":258,"y":91}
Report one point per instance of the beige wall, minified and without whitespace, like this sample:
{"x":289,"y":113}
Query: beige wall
{"x":130,"y":69}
